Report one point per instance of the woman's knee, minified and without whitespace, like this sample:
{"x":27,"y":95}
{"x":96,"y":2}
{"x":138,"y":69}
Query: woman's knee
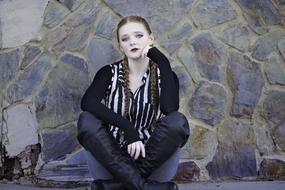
{"x":87,"y":124}
{"x":177,"y":123}
{"x":87,"y":120}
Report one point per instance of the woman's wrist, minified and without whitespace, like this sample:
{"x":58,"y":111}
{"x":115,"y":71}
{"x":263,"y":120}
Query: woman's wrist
{"x":132,"y":135}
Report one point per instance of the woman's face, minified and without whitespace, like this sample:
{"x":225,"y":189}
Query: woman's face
{"x":133,"y":38}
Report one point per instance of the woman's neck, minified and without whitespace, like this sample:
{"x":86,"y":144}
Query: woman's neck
{"x":138,"y":67}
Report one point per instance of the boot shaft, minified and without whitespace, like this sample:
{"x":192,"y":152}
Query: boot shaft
{"x":97,"y":140}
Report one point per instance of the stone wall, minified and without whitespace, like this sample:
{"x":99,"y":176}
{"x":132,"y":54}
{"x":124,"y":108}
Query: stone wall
{"x":229,"y":56}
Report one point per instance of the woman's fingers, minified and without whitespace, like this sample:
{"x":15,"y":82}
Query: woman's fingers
{"x":142,"y":150}
{"x":137,"y":153}
{"x":130,"y":148}
{"x":136,"y":149}
{"x":133,"y":149}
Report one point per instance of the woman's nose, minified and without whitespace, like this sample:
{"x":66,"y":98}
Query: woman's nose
{"x":132,"y":41}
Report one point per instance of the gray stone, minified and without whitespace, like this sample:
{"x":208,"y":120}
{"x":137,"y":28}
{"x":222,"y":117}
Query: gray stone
{"x":271,"y":169}
{"x":10,"y":63}
{"x":160,"y":14}
{"x":278,"y":135}
{"x":1,"y":132}
{"x":187,"y":172}
{"x":280,"y":5}
{"x":281,"y":47}
{"x":185,"y":82}
{"x":54,"y":14}
{"x":266,"y":44}
{"x":208,"y":13}
{"x":21,"y":126}
{"x":235,"y":154}
{"x":264,"y":141}
{"x":75,"y":40}
{"x":77,"y":158}
{"x":58,"y":101}
{"x":274,"y":106}
{"x":0,"y":38}
{"x":275,"y":71}
{"x":29,"y":79}
{"x":30,"y":53}
{"x":260,"y":14}
{"x":56,"y":36}
{"x":73,"y":33}
{"x":86,"y":15}
{"x":187,"y":59}
{"x":236,"y":35}
{"x":107,"y":25}
{"x":71,"y":4}
{"x":210,"y":57}
{"x":68,"y":38}
{"x":246,"y":82}
{"x":65,"y":173}
{"x":279,"y":2}
{"x":56,"y":143}
{"x":21,"y":21}
{"x":101,"y":52}
{"x":174,"y":39}
{"x":256,"y":25}
{"x":208,"y":103}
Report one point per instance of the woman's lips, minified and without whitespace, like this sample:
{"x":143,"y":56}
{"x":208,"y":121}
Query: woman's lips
{"x":134,"y":49}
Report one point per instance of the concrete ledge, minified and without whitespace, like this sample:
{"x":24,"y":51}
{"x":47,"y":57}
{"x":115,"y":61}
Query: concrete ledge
{"x":252,"y":185}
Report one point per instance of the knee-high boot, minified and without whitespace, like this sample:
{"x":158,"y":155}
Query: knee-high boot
{"x":170,"y":133}
{"x":94,"y":137}
{"x":107,"y":184}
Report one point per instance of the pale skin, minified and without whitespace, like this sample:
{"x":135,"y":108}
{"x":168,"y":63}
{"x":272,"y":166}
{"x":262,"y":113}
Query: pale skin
{"x":135,"y":42}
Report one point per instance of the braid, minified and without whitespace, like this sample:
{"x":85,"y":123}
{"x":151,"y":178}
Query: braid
{"x":153,"y":87}
{"x":126,"y":86}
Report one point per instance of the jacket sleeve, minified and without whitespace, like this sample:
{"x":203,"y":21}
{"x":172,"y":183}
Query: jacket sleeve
{"x":169,"y":98}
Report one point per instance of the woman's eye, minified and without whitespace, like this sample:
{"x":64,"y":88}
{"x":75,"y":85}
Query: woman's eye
{"x":139,"y":35}
{"x":124,"y":39}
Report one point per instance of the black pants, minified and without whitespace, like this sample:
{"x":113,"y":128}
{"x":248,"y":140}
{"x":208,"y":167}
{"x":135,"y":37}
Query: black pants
{"x":174,"y":122}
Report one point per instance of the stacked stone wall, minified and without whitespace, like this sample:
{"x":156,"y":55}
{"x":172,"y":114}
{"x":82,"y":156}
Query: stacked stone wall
{"x":229,"y":56}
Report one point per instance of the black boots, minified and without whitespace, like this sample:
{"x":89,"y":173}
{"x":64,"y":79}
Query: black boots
{"x":113,"y":185}
{"x":170,"y":133}
{"x":94,"y":137}
{"x":106,"y":184}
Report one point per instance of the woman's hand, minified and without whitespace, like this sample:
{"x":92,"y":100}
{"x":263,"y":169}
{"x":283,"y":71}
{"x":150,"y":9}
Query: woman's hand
{"x":135,"y":149}
{"x":146,"y":49}
{"x":148,"y":46}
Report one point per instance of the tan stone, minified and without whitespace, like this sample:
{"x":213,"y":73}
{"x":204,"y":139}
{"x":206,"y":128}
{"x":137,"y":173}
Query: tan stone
{"x":203,"y":142}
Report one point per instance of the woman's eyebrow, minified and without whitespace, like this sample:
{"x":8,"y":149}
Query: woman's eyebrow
{"x":136,"y":32}
{"x":124,"y":35}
